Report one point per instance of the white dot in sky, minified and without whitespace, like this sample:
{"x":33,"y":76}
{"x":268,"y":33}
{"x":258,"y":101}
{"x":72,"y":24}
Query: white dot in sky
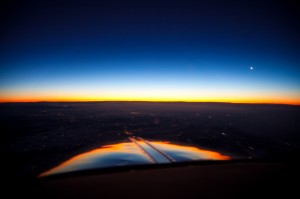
{"x":251,"y":68}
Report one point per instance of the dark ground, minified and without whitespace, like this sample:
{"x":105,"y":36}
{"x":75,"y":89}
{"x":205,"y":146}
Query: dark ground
{"x":37,"y":136}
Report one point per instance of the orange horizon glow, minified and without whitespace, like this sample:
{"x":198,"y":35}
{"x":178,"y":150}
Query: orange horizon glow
{"x":128,"y":99}
{"x":152,"y":94}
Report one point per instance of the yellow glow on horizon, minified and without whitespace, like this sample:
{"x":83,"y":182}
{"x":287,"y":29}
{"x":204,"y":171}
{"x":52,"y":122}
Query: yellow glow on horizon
{"x":153,"y":96}
{"x":154,"y":99}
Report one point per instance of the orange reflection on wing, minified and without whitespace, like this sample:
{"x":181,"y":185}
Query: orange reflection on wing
{"x":188,"y":152}
{"x":133,"y":153}
{"x":106,"y":156}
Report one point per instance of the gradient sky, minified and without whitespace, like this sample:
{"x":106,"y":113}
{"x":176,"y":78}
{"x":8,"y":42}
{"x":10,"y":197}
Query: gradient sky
{"x":150,"y":50}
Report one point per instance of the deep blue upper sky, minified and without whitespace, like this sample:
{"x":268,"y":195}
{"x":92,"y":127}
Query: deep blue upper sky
{"x":102,"y":48}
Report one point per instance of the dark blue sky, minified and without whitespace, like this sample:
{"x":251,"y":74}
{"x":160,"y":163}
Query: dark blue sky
{"x":102,"y":50}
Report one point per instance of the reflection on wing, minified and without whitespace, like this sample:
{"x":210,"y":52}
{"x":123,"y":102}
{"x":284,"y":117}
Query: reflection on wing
{"x":136,"y":152}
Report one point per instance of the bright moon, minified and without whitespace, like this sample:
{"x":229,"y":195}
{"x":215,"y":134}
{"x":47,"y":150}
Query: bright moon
{"x":251,"y":68}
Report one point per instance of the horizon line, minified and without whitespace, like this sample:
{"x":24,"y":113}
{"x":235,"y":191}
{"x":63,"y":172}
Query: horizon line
{"x":148,"y":101}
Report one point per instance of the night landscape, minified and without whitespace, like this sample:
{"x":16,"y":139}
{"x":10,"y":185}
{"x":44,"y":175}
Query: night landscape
{"x":41,"y":135}
{"x":149,"y":99}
